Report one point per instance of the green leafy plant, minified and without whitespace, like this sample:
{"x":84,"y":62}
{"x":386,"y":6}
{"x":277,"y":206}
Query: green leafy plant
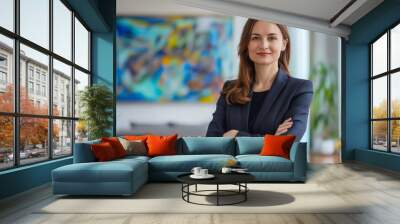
{"x":96,"y":102}
{"x":324,"y":106}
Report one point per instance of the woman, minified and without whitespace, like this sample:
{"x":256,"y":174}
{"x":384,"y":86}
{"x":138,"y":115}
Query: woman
{"x":264,"y":99}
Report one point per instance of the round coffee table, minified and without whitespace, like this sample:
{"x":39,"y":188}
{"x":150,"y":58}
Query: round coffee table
{"x":238,"y":179}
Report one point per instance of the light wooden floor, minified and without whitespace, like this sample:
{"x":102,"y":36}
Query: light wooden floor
{"x":378,"y":188}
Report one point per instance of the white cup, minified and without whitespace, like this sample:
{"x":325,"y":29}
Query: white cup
{"x":196,"y":171}
{"x":226,"y":170}
{"x":203,"y":172}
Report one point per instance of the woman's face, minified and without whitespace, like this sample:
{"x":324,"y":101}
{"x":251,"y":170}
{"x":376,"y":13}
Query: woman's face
{"x":266,"y":43}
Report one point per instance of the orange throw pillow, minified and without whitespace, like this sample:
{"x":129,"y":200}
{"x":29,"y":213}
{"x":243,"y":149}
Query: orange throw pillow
{"x":277,"y":145}
{"x":135,"y":137}
{"x":161,"y":145}
{"x":103,"y":152}
{"x":116,"y":145}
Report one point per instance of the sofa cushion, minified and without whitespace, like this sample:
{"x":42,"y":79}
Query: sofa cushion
{"x":207,"y":145}
{"x":132,"y":158}
{"x":249,"y":145}
{"x":112,"y":171}
{"x":257,"y":163}
{"x":185,"y":163}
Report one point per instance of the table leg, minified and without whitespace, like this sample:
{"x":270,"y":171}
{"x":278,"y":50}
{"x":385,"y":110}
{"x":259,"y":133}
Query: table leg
{"x":245,"y":193}
{"x":217,"y":194}
{"x":196,"y":188}
{"x":188,"y":189}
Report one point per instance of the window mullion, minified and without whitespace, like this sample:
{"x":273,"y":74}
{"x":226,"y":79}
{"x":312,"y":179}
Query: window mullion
{"x":16,"y":84}
{"x":389,"y":106}
{"x":73,"y":83}
{"x":50,"y":81}
{"x":371,"y":142}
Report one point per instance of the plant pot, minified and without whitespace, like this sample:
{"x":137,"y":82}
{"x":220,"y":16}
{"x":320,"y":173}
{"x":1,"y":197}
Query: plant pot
{"x":328,"y":146}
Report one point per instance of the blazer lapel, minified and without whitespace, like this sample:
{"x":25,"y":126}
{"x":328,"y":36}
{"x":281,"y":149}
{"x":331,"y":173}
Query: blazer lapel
{"x":276,"y":88}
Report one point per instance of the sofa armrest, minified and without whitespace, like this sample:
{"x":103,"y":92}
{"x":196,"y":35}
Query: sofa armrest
{"x":83,"y":152}
{"x":298,"y":155}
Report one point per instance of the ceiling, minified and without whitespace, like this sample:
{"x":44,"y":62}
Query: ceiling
{"x":333,"y":17}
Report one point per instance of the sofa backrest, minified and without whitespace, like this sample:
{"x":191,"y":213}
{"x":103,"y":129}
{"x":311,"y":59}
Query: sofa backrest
{"x":249,"y":145}
{"x":206,"y":145}
{"x":253,"y":145}
{"x":83,"y":152}
{"x":192,"y":146}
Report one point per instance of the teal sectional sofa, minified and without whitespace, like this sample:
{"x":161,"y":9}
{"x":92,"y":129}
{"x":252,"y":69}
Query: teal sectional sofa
{"x":125,"y":176}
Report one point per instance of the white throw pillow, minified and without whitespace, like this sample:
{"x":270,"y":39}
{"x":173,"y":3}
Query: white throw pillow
{"x":135,"y":147}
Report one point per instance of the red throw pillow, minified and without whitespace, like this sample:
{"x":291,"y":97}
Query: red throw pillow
{"x":277,"y":145}
{"x":116,"y":145}
{"x":161,"y":145}
{"x":103,"y":151}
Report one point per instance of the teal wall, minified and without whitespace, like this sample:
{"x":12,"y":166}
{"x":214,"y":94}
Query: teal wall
{"x":24,"y":178}
{"x":355,"y":82}
{"x":99,"y":15}
{"x":103,"y":53}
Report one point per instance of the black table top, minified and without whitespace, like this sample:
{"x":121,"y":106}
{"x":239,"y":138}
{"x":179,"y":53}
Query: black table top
{"x":220,"y":178}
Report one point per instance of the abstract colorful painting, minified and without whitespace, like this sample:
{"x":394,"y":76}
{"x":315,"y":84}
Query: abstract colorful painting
{"x":173,"y":59}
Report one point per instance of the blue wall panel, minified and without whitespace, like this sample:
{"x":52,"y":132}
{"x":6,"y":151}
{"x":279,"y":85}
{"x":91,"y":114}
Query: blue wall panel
{"x":356,"y":80}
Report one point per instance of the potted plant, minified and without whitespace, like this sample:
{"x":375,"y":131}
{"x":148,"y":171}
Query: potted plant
{"x":96,"y":102}
{"x":324,"y":109}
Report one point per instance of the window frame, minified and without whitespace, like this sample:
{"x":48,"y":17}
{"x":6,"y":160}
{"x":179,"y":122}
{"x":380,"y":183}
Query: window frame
{"x":388,"y":74}
{"x":16,"y":115}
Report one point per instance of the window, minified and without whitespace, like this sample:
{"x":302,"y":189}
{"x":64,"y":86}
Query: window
{"x":62,"y":29}
{"x":37,"y":75}
{"x":6,"y":72}
{"x":3,"y":78}
{"x":81,"y":45}
{"x":385,"y":97}
{"x":30,"y":87}
{"x":43,"y":90}
{"x":62,"y":75}
{"x":34,"y":25}
{"x":43,"y":77}
{"x":55,"y":126}
{"x":3,"y":61}
{"x":7,"y":14}
{"x":3,"y":72}
{"x":30,"y":72}
{"x":38,"y":89}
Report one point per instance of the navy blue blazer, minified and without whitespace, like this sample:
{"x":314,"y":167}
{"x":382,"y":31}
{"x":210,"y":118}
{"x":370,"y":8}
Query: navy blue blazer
{"x":288,"y":97}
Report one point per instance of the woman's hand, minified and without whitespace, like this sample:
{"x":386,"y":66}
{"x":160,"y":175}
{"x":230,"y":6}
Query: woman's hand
{"x":231,"y":133}
{"x":288,"y":123}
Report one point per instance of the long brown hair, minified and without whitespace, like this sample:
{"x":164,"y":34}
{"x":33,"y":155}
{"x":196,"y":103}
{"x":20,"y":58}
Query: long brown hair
{"x":237,"y":91}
